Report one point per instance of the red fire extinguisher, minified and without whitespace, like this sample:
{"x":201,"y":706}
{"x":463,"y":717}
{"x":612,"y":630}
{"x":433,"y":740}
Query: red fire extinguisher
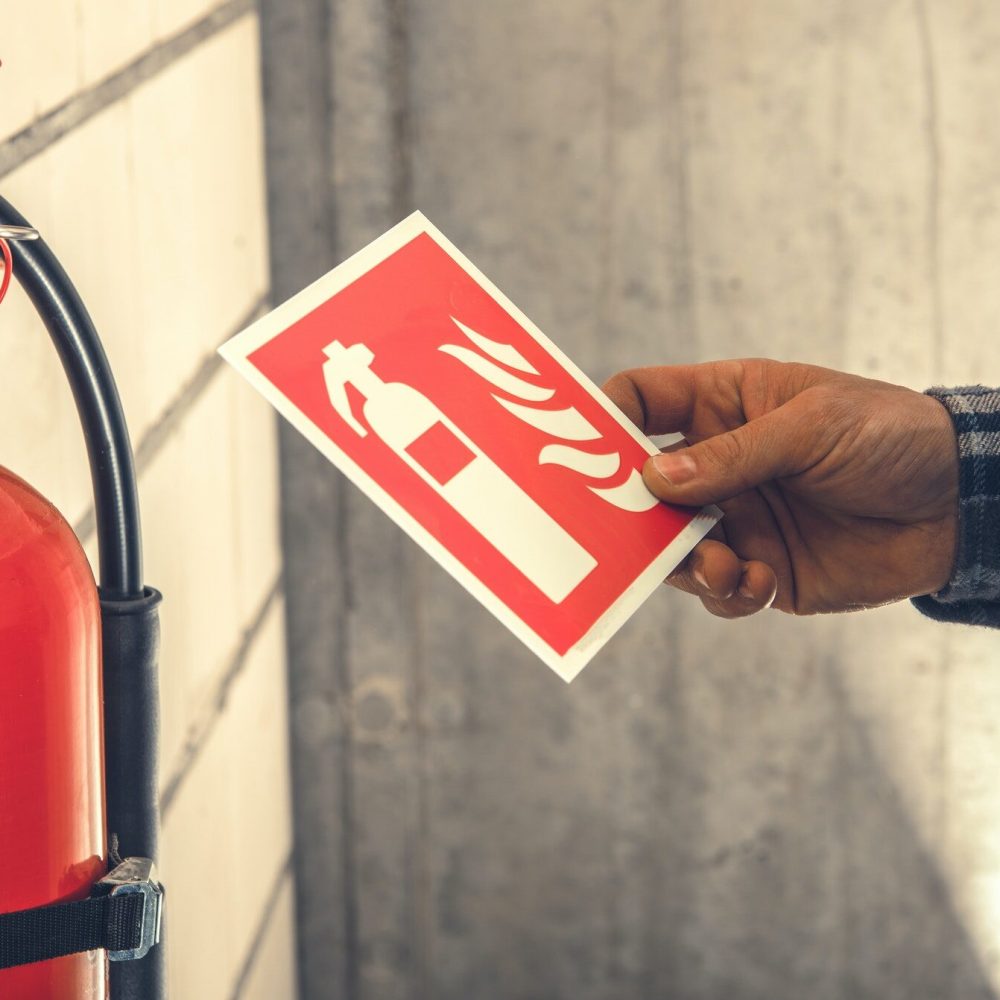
{"x":80,"y":906}
{"x":52,"y":837}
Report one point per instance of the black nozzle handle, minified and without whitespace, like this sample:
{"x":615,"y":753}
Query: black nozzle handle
{"x":131,"y":640}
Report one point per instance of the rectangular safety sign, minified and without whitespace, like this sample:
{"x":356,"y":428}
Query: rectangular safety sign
{"x":455,"y":414}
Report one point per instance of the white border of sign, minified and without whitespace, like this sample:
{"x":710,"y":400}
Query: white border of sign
{"x":236,"y":350}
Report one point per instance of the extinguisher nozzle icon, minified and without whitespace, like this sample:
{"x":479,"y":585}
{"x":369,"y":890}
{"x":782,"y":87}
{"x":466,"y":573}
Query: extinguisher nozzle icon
{"x":344,"y":365}
{"x":480,"y":491}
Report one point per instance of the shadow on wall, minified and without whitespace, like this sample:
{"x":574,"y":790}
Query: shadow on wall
{"x":903,"y":936}
{"x":535,"y":894}
{"x":650,"y":832}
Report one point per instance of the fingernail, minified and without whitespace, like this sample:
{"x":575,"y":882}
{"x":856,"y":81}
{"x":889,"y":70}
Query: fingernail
{"x":675,"y":469}
{"x":700,"y":578}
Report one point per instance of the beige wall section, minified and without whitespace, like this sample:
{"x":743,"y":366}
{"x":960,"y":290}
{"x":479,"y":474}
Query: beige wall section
{"x":273,"y":976}
{"x":54,"y":49}
{"x":155,"y":205}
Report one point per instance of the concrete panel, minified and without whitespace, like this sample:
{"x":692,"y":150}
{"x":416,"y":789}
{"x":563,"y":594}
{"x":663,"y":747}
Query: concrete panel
{"x":964,"y":231}
{"x":769,"y":809}
{"x":634,"y":849}
{"x":296,"y":73}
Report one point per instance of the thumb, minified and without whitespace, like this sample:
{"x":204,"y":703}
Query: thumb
{"x":774,"y":445}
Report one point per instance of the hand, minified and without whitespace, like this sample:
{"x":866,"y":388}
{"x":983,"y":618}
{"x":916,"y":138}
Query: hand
{"x":839,"y":492}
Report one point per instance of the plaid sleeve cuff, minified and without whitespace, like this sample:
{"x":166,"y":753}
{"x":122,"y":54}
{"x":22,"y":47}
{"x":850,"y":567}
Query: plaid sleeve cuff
{"x":972,"y":596}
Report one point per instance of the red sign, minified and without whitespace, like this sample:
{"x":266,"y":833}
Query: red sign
{"x":476,"y":434}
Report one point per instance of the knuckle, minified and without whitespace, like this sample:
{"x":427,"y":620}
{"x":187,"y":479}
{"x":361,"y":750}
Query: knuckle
{"x":727,"y":455}
{"x":623,"y":391}
{"x":728,"y":450}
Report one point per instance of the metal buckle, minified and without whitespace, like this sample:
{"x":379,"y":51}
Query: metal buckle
{"x":18,"y":233}
{"x":136,"y":876}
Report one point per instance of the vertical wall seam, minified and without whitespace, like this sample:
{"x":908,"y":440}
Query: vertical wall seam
{"x":341,"y":662}
{"x":838,"y":236}
{"x":298,"y":47}
{"x":401,"y":124}
{"x":345,"y":684}
{"x":607,"y":263}
{"x":615,"y":962}
{"x":327,"y":32}
{"x":840,"y":312}
{"x":683,"y":277}
{"x":932,"y":139}
{"x":401,"y":138}
{"x":933,"y":202}
{"x":421,"y":914}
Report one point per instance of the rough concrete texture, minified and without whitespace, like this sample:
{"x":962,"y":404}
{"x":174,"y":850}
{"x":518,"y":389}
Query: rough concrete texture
{"x":771,"y":809}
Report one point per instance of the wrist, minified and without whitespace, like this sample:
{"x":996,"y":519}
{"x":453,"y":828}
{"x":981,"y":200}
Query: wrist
{"x":973,"y":574}
{"x":943,"y":530}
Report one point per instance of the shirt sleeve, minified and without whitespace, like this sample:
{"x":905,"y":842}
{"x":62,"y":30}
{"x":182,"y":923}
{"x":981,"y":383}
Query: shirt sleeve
{"x":972,"y":595}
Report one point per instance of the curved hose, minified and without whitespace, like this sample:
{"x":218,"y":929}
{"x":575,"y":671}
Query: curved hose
{"x":116,"y":503}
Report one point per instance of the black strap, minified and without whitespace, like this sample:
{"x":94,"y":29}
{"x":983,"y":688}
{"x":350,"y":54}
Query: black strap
{"x":111,"y":922}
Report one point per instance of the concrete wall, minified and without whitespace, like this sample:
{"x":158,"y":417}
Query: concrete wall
{"x":133,"y":140}
{"x":768,"y":809}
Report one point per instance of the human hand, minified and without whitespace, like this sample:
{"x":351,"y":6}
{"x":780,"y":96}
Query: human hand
{"x":839,"y":492}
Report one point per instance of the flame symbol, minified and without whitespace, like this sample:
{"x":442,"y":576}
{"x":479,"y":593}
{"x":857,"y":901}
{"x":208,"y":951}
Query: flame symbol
{"x":569,"y":424}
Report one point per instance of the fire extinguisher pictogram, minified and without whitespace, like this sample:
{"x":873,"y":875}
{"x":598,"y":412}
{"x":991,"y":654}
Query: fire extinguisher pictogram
{"x":473,"y":484}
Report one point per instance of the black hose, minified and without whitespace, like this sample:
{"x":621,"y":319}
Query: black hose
{"x":129,"y":611}
{"x":111,"y":469}
{"x":130,"y":636}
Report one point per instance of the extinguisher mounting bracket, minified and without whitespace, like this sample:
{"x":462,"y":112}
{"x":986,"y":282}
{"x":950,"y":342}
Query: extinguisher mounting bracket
{"x":122,"y":915}
{"x":136,"y":876}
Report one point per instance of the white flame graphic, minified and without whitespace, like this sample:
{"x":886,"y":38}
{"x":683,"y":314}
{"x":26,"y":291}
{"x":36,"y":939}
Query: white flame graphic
{"x":584,"y":462}
{"x":497,"y":376}
{"x":506,"y":354}
{"x":631,"y":495}
{"x":569,"y":423}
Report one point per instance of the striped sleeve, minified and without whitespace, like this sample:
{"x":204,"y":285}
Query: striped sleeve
{"x":972,"y":596}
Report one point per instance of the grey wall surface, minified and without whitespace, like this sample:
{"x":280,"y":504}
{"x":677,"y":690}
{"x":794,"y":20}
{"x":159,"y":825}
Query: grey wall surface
{"x":771,"y":809}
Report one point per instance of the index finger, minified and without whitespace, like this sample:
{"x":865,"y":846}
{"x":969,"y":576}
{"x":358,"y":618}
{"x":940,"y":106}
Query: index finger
{"x":658,"y":400}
